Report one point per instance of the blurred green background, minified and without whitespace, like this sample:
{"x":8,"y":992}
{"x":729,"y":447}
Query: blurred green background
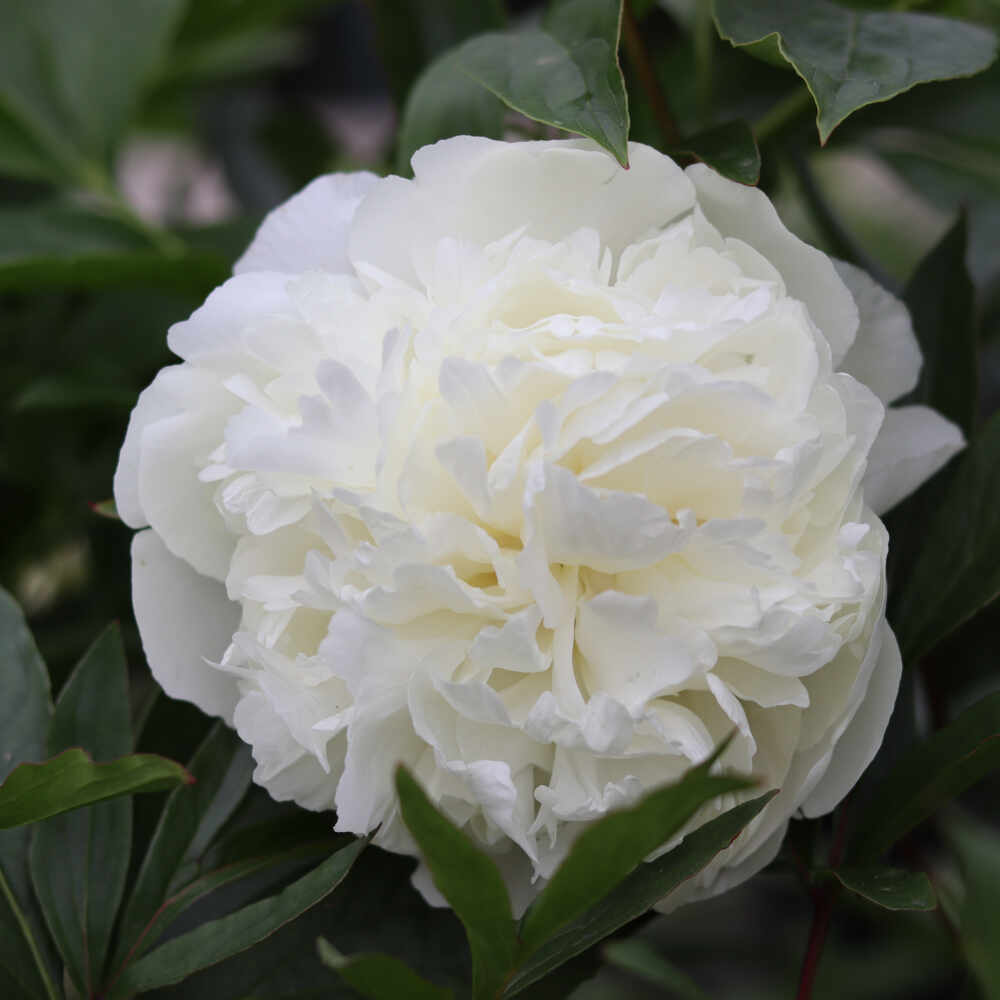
{"x":140,"y":145}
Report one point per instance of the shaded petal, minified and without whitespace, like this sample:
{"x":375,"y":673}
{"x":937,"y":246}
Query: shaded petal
{"x":914,"y":442}
{"x":184,"y":620}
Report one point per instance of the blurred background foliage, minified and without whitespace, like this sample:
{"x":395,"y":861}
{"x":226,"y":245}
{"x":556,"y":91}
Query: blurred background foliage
{"x":140,"y":145}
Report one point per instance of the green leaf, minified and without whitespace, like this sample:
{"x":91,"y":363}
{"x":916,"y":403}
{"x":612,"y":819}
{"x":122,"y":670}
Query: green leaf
{"x":70,"y":780}
{"x":443,"y":103}
{"x":25,"y":710}
{"x":64,"y":103}
{"x":221,"y":939}
{"x":850,"y":58}
{"x":107,"y":509}
{"x":469,"y":880}
{"x":890,"y":888}
{"x":611,"y":848}
{"x":79,"y":860}
{"x":729,"y":149}
{"x":931,"y":774}
{"x":380,"y":977}
{"x":941,"y":300}
{"x":222,"y":768}
{"x":957,"y":570}
{"x":566,"y":75}
{"x":638,"y":957}
{"x":647,"y":885}
{"x":68,"y":392}
{"x":57,"y":244}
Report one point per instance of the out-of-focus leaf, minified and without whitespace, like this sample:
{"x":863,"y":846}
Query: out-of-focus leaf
{"x":957,"y":570}
{"x":79,"y":860}
{"x":70,"y":780}
{"x":611,"y":848}
{"x":940,"y":298}
{"x":931,"y":774}
{"x":62,"y":392}
{"x":566,"y":75}
{"x":106,"y":508}
{"x":56,"y":244}
{"x":71,"y":75}
{"x":379,"y":977}
{"x":221,"y":939}
{"x":850,"y":58}
{"x":729,"y":149}
{"x":222,"y":770}
{"x":890,"y":888}
{"x":645,"y":886}
{"x":638,"y":957}
{"x":25,"y":710}
{"x":469,"y":880}
{"x":443,"y":103}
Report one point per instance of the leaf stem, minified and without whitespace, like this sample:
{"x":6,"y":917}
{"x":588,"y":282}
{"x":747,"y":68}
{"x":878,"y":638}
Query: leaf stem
{"x":22,"y":923}
{"x":782,"y":114}
{"x":643,"y":66}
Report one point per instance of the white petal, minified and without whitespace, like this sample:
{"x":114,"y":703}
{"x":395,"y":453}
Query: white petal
{"x":915,"y":441}
{"x":480,"y":191}
{"x":860,"y":741}
{"x":747,"y":213}
{"x":885,"y":354}
{"x":309,"y":231}
{"x":184,"y":619}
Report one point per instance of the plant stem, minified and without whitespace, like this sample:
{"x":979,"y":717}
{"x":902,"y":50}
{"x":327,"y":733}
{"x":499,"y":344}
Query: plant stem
{"x":646,"y":73}
{"x":22,"y":923}
{"x":781,"y":114}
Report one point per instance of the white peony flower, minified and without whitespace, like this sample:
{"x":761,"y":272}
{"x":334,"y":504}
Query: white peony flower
{"x":540,"y":476}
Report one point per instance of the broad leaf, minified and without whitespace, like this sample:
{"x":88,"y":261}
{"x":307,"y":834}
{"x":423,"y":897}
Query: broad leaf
{"x":79,"y":860}
{"x":957,"y":570}
{"x":647,"y":885}
{"x":890,"y":888}
{"x":65,"y":100}
{"x":637,"y":956}
{"x":940,"y":297}
{"x":729,"y":149}
{"x":978,"y":850}
{"x":469,"y":880}
{"x":25,"y":710}
{"x":221,"y":939}
{"x":850,"y":58}
{"x":930,"y":775}
{"x":612,"y":847}
{"x":566,"y":74}
{"x":70,"y":780}
{"x":57,"y":244}
{"x":222,"y":769}
{"x":380,"y":977}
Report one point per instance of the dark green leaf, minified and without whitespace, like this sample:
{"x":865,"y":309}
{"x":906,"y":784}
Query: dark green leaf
{"x":940,"y":297}
{"x":957,"y":570}
{"x":469,"y":880}
{"x":640,"y":890}
{"x":221,"y":939}
{"x":729,"y":149}
{"x":567,"y":75}
{"x":24,"y":719}
{"x":639,"y":957}
{"x":612,"y":847}
{"x":890,"y":888}
{"x":380,"y":977}
{"x":61,"y":392}
{"x":443,"y":103}
{"x":79,"y":860}
{"x":64,"y":102}
{"x":55,"y":244}
{"x":851,"y":58}
{"x":70,"y":780}
{"x":931,"y":774}
{"x":222,"y":769}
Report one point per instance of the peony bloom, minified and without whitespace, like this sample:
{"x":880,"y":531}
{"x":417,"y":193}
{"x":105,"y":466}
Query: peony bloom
{"x":540,"y":476}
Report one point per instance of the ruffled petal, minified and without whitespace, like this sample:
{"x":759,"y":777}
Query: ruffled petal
{"x":185,"y":621}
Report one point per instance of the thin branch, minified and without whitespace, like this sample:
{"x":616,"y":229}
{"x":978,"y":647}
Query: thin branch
{"x":643,"y":66}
